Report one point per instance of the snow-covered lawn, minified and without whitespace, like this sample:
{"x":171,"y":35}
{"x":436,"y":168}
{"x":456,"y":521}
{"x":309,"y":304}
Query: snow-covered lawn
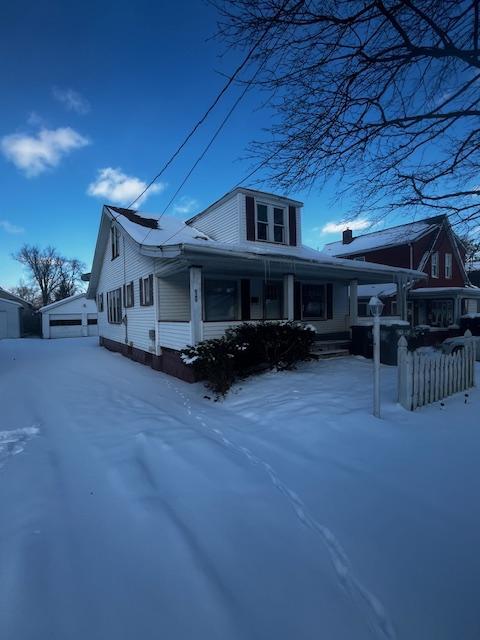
{"x":134,"y":509}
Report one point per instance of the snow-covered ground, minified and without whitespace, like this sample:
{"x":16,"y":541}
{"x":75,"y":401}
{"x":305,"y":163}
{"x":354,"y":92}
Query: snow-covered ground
{"x":134,"y":509}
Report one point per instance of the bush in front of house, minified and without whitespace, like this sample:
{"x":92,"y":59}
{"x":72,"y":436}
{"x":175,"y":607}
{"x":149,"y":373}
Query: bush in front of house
{"x":247,"y":349}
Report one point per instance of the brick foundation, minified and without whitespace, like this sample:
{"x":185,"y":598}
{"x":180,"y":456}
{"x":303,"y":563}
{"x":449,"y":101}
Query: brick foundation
{"x":169,"y":362}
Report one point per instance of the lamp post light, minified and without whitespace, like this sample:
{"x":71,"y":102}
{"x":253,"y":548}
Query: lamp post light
{"x":375,"y":308}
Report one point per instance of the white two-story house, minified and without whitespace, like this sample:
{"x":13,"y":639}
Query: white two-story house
{"x":162,"y":284}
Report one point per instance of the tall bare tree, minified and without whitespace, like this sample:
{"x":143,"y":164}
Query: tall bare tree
{"x":382,"y":95}
{"x":55,"y":276}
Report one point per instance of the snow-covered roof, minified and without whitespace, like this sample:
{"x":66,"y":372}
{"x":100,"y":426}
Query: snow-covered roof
{"x":394,"y":236}
{"x":59,"y":303}
{"x":381,"y":290}
{"x":8,"y":295}
{"x":7,"y":301}
{"x":155,"y":230}
{"x":473,"y":266}
{"x":172,"y":232}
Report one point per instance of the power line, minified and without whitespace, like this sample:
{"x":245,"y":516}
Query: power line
{"x":209,"y":110}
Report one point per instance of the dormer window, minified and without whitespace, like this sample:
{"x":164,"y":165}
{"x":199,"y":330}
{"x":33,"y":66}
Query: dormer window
{"x":270,"y":223}
{"x":115,"y":242}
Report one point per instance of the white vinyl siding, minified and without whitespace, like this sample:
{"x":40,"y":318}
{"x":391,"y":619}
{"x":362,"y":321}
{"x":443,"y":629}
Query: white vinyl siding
{"x":175,"y":335}
{"x":129,"y":266}
{"x":222,"y":223}
{"x":174,"y":298}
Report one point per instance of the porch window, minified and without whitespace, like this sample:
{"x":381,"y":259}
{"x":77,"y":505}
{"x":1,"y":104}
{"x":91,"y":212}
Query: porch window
{"x":221,"y":300}
{"x":440,"y":313}
{"x":448,"y":265}
{"x":314,"y":301}
{"x":273,"y":301}
{"x":114,"y":306}
{"x":435,"y":265}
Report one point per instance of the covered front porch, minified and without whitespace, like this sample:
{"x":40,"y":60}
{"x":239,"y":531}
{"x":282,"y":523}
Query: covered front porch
{"x":442,"y":307}
{"x":200,"y":296}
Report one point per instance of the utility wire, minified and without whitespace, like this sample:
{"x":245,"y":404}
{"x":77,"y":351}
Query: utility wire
{"x":210,"y":108}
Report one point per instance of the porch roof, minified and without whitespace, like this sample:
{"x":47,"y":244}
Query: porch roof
{"x":439,"y":292}
{"x":309,"y":264}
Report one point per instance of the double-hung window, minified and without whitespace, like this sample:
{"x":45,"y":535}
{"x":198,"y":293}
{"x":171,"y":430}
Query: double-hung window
{"x":448,"y":265}
{"x":115,"y":242}
{"x":434,"y":259}
{"x":114,"y":306}
{"x":270,"y":223}
{"x":314,"y":301}
{"x":128,"y":296}
{"x":146,"y":291}
{"x":100,"y":302}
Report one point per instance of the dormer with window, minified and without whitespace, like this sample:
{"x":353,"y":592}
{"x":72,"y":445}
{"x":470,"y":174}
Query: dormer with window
{"x":253,"y":216}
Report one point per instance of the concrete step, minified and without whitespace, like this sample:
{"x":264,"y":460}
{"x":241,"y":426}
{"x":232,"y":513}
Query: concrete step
{"x":328,"y":345}
{"x":330,"y":353}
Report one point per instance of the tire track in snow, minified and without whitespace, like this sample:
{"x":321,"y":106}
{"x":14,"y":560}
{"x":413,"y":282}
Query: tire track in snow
{"x":373,"y":610}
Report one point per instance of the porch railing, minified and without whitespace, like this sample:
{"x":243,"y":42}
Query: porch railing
{"x":426,"y":378}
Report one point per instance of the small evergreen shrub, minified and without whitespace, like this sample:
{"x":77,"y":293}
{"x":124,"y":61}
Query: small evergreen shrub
{"x":249,"y":348}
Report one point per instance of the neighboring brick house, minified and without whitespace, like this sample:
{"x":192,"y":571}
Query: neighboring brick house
{"x":428,"y":245}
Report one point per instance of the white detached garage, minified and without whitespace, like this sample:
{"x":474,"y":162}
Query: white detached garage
{"x":9,"y":318}
{"x":73,"y":317}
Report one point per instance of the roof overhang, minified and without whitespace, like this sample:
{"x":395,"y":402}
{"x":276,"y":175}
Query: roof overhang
{"x":442,"y":292}
{"x":215,"y":260}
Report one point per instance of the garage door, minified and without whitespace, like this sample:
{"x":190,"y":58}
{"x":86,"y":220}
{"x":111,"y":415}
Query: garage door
{"x":92,"y":324}
{"x":65,"y":326}
{"x":3,"y":324}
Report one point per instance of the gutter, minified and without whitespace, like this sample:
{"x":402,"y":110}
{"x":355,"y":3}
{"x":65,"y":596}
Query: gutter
{"x":418,"y":275}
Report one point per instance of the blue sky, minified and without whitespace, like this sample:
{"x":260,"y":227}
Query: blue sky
{"x":96,"y":98}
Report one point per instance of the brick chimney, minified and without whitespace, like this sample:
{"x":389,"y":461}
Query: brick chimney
{"x":347,"y":236}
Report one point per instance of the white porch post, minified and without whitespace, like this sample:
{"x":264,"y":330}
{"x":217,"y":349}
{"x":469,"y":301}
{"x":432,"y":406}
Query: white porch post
{"x":457,"y":309}
{"x":402,"y":297}
{"x":353,"y":301}
{"x":196,"y":304}
{"x":288,"y":296}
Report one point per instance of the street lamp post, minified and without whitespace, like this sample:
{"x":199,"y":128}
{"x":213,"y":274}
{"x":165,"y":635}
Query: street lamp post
{"x":375,"y":307}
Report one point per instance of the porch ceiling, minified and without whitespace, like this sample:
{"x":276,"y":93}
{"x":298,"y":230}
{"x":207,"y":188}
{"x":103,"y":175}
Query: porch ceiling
{"x":250,"y":265}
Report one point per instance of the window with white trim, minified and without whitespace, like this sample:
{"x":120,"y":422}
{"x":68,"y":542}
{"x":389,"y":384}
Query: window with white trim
{"x":146,"y":291}
{"x":114,"y":306}
{"x":129,"y":299}
{"x":100,"y":302}
{"x":115,"y":242}
{"x":434,"y":265}
{"x":220,"y":300}
{"x":448,"y":265}
{"x":270,"y":225}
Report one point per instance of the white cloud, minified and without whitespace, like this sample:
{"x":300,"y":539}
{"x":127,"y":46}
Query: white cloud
{"x":72,"y":100}
{"x":34,"y":154}
{"x":118,"y":188}
{"x":354,"y":225}
{"x":185,"y":205}
{"x":8,"y":227}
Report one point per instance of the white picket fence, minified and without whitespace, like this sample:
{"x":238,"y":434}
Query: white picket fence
{"x":425,"y":378}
